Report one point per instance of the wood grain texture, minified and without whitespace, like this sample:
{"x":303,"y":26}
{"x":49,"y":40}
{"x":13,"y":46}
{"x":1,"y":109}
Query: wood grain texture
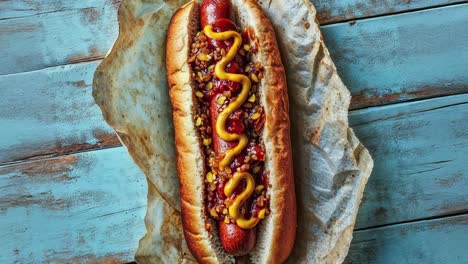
{"x":15,"y":9}
{"x":86,"y":208}
{"x":329,"y":11}
{"x":430,"y":242}
{"x":56,"y":37}
{"x":426,"y":58}
{"x":39,"y":34}
{"x":332,"y":11}
{"x":89,"y":207}
{"x":402,"y":57}
{"x":420,"y":152}
{"x":50,"y":112}
{"x":420,"y":171}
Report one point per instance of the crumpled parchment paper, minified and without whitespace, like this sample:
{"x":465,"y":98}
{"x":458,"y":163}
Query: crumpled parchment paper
{"x":331,"y":167}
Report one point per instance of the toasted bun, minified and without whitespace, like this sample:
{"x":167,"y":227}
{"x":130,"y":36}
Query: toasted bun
{"x":276,"y":233}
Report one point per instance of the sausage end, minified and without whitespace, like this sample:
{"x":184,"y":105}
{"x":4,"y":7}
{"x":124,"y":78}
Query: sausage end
{"x":235,"y":240}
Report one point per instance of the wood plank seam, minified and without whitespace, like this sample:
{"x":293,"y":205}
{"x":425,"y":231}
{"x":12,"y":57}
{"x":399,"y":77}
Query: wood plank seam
{"x":416,"y":99}
{"x":354,"y":20}
{"x":396,"y":104}
{"x":436,"y":217}
{"x":42,"y":13}
{"x":118,"y":212}
{"x":38,"y":10}
{"x":441,"y":107}
{"x":97,"y":59}
{"x":433,"y":241}
{"x":43,"y":157}
{"x":387,"y":66}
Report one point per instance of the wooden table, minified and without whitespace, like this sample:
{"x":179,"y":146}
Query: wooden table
{"x":70,"y":193}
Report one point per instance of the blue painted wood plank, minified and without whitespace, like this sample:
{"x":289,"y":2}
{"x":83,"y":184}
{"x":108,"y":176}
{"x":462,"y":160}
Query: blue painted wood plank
{"x":15,"y":9}
{"x":76,"y":209}
{"x":67,"y":209}
{"x":402,"y":138}
{"x":330,"y":11}
{"x":431,"y":242}
{"x":50,"y":112}
{"x":391,"y":74}
{"x":402,"y":57}
{"x":83,"y":207}
{"x":383,"y":73}
{"x":409,"y":182}
{"x":420,"y":152}
{"x":78,"y":198}
{"x":51,"y":33}
{"x":56,"y":38}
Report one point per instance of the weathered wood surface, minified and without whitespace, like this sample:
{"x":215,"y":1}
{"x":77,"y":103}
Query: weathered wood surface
{"x":328,"y":11}
{"x":431,"y":242}
{"x":15,"y":9}
{"x":402,"y":57}
{"x":332,"y":11}
{"x":86,"y":208}
{"x":52,"y":38}
{"x":405,"y":142}
{"x":89,"y":206}
{"x":39,"y":34}
{"x":50,"y":112}
{"x":77,"y":208}
{"x":59,"y":195}
{"x":420,"y":152}
{"x":377,"y":73}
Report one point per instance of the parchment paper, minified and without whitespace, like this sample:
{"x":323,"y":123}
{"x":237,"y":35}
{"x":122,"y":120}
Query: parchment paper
{"x":331,"y":166}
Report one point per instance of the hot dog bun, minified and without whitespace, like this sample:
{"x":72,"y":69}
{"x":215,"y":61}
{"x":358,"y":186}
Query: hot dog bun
{"x":276,"y":233}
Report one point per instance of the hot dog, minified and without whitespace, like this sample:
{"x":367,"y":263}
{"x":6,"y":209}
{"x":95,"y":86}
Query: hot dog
{"x":235,"y":240}
{"x":230,"y":110}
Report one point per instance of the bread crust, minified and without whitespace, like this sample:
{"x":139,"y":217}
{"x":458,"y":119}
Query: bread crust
{"x":281,"y":227}
{"x":189,"y":156}
{"x":276,"y":233}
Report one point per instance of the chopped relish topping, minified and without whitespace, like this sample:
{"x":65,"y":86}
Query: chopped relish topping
{"x":248,"y":119}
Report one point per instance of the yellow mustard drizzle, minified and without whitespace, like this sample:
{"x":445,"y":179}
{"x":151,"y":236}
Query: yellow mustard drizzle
{"x":234,"y":208}
{"x":231,"y":185}
{"x":233,"y":106}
